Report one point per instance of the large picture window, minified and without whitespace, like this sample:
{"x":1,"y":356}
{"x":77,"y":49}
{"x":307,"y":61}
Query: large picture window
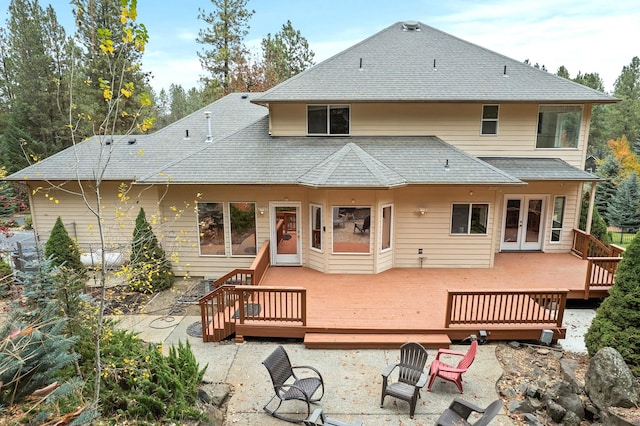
{"x":558,"y":218}
{"x":559,"y":126}
{"x":242,"y":217}
{"x":489,"y":120}
{"x":211,"y":228}
{"x":328,"y":119}
{"x":351,"y":229}
{"x":469,"y":218}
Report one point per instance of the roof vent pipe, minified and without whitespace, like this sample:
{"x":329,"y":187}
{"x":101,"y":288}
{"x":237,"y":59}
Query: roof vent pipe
{"x":207,"y":115}
{"x":504,"y":73}
{"x":360,"y":64}
{"x":434,"y":65}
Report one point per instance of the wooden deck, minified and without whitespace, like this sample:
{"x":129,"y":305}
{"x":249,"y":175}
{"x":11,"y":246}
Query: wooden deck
{"x":382,"y":310}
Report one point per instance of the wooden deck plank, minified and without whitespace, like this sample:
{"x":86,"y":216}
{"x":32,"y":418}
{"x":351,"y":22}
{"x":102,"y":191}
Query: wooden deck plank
{"x":411,"y":302}
{"x":373,"y":340}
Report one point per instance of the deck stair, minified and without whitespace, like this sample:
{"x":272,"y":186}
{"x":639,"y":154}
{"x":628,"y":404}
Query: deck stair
{"x":373,"y":340}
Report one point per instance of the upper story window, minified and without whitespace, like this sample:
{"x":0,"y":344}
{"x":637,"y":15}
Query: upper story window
{"x":328,"y":119}
{"x":489,"y":120}
{"x":559,"y":126}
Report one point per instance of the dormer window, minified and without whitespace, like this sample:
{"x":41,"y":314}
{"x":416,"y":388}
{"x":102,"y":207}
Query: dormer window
{"x":323,"y":120}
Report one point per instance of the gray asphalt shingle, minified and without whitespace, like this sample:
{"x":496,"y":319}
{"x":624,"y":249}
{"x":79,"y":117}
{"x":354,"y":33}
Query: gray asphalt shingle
{"x":398,"y":65}
{"x":530,"y":169}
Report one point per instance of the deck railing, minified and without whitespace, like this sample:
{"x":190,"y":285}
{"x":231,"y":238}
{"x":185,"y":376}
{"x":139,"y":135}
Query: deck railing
{"x":502,"y":307}
{"x":602,"y":260}
{"x":600,"y":273}
{"x":229,"y":305}
{"x":251,"y":276}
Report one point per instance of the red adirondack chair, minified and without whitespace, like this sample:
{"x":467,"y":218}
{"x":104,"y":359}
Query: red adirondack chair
{"x":449,"y":372}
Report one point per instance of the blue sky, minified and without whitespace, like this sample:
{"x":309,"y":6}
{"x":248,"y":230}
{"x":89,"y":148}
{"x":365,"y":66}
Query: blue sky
{"x":584,"y":35}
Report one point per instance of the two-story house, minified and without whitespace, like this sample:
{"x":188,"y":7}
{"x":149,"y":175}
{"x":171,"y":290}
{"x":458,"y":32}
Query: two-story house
{"x":411,"y":149}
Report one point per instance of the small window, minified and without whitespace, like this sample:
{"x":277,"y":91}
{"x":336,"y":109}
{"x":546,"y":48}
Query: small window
{"x":558,"y":218}
{"x":490,"y":120}
{"x":316,"y":227}
{"x":558,"y":126}
{"x":328,"y":119}
{"x":386,"y":228}
{"x":469,"y":218}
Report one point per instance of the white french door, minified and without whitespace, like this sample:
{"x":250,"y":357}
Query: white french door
{"x":285,"y":234}
{"x":523,"y":221}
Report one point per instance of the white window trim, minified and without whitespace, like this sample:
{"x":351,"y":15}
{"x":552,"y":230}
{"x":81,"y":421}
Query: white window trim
{"x":386,"y":250}
{"x":224,"y":228}
{"x":468,"y":233}
{"x":561,"y":228}
{"x":566,"y":148}
{"x":311,"y":247}
{"x":328,"y":106}
{"x":483,"y":120}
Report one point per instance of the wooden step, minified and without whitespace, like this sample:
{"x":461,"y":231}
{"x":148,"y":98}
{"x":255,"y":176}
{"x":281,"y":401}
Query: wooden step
{"x":373,"y":340}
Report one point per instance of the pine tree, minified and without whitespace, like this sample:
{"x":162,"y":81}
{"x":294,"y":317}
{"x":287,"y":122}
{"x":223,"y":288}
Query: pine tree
{"x":62,"y":250}
{"x":285,"y":54}
{"x":605,"y":190}
{"x":150,"y":270}
{"x":227,"y":27}
{"x":624,"y":209}
{"x":617,"y":320}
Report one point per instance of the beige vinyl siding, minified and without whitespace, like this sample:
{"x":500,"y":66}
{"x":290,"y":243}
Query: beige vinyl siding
{"x":81,"y":224}
{"x":430,"y":232}
{"x":457,"y":124}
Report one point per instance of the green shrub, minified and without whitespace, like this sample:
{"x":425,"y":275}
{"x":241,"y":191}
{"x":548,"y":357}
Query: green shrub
{"x":149,"y":271}
{"x":139,"y":382}
{"x":617,"y":320}
{"x":598,"y":227}
{"x":62,"y":249}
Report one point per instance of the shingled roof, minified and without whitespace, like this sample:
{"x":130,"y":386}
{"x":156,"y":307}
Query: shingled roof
{"x":254,"y":157}
{"x":424,"y":64}
{"x":127,"y":157}
{"x":533,"y":169}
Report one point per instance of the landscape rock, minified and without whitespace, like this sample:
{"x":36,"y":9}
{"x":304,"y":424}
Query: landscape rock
{"x":568,"y":367}
{"x":556,"y":411}
{"x":532,"y":420}
{"x":571,"y":419}
{"x":572,"y":403}
{"x":609,"y":382}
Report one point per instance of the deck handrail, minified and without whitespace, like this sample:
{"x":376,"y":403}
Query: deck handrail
{"x":600,"y":272}
{"x":251,"y":276}
{"x":586,"y":245}
{"x":499,"y":307}
{"x":221,"y":309}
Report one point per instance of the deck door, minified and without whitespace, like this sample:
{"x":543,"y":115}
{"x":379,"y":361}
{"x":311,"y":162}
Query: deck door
{"x":285,"y":234}
{"x":523,"y":218}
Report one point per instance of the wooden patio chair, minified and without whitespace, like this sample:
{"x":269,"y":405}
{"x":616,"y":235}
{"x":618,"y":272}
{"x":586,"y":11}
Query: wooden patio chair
{"x":364,"y":227}
{"x":448,"y":372}
{"x":459,"y":411}
{"x":317,"y":418}
{"x":288,"y":386}
{"x":411,"y":377}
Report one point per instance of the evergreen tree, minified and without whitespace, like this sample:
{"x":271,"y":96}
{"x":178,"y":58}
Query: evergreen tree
{"x":224,"y":37}
{"x":623,"y":118}
{"x":286,"y":54}
{"x":62,"y":250}
{"x":113,"y":46}
{"x":617,"y":320}
{"x":150,"y":270}
{"x":34,"y":84}
{"x":598,"y":227}
{"x":605,"y":190}
{"x":624,"y":209}
{"x":34,"y":350}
